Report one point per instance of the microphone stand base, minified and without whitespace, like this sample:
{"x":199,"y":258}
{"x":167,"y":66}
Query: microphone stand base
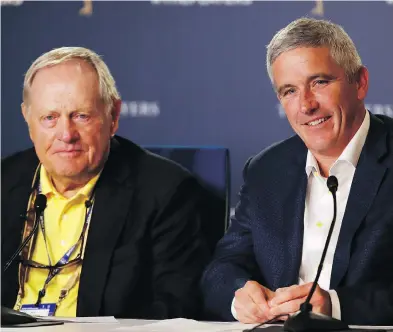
{"x":313,"y":322}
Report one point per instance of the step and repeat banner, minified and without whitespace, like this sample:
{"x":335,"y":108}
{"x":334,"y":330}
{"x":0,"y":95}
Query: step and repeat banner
{"x":189,"y":72}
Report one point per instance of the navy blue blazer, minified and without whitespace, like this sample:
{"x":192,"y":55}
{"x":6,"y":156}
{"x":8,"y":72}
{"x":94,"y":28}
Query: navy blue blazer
{"x":264,"y":241}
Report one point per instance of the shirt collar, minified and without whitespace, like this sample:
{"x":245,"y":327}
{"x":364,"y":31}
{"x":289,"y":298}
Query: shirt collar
{"x":311,"y":164}
{"x":351,"y":152}
{"x":48,"y":189}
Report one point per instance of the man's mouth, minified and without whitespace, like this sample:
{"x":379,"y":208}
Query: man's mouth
{"x":317,"y":121}
{"x":68,"y":153}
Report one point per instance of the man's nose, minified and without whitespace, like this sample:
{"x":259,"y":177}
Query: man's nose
{"x":308,"y":102}
{"x":67,"y":132}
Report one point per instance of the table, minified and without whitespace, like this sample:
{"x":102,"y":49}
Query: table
{"x":122,"y":326}
{"x":79,"y":327}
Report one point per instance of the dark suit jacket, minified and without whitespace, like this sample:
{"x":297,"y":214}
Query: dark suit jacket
{"x":144,"y":252}
{"x":265,"y":238}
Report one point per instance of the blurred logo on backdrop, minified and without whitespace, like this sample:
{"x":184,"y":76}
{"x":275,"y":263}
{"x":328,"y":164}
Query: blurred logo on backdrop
{"x":385,"y":109}
{"x":10,"y":2}
{"x":318,"y":9}
{"x":86,"y":10}
{"x":140,"y":109}
{"x":203,"y":2}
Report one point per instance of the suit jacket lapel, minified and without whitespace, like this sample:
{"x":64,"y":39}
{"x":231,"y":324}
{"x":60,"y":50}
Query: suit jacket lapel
{"x":16,"y":190}
{"x":292,"y":190}
{"x":294,"y":220}
{"x":112,"y":204}
{"x":12,"y":230}
{"x":368,"y":176}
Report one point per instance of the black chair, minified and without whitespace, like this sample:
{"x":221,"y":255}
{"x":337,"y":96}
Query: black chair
{"x":211,"y":166}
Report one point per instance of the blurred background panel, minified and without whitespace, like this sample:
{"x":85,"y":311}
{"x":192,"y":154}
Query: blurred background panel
{"x":190,"y":72}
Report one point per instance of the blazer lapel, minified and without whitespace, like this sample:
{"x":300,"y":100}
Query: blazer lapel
{"x":287,"y":242}
{"x":11,"y":237}
{"x":294,"y":220}
{"x":368,"y":176}
{"x":112,"y":204}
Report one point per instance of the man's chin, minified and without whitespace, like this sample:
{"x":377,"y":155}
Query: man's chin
{"x":70,"y":172}
{"x":320,"y":148}
{"x":78,"y":171}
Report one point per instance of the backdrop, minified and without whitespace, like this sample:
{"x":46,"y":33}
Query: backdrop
{"x":189,"y":72}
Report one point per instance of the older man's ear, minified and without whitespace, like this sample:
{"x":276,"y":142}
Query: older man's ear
{"x":115,"y":114}
{"x":25,"y":112}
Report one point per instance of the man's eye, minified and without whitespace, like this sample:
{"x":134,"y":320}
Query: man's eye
{"x":49,"y":118}
{"x":321,"y":82}
{"x":81,"y":116}
{"x":288,"y":92}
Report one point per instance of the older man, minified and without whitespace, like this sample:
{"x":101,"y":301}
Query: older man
{"x":266,"y":262}
{"x":119,"y":234}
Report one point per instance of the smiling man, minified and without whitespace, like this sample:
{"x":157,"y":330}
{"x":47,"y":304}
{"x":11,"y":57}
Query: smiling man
{"x":120,"y":231}
{"x":265,"y":264}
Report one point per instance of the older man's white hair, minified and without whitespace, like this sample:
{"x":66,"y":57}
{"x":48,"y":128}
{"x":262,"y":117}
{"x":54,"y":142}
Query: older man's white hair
{"x":107,"y":85}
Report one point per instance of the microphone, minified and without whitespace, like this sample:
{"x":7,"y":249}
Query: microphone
{"x":39,"y":207}
{"x":306,"y":320}
{"x":332,"y":184}
{"x":40,"y":204}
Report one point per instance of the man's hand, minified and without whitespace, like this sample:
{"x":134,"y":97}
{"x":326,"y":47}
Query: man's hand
{"x":251,"y":303}
{"x":288,"y":300}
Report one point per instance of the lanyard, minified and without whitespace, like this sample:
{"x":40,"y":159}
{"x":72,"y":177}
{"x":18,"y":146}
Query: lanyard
{"x":28,"y":250}
{"x":66,"y":257}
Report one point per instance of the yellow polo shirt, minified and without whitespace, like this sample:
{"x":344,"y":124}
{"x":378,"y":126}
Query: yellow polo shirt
{"x":64,"y":219}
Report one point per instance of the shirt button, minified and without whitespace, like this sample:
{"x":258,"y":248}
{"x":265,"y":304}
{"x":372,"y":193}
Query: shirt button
{"x":62,"y":243}
{"x":319,"y":224}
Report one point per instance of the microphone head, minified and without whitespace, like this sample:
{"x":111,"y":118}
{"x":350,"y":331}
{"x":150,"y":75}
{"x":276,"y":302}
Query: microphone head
{"x":332,"y":183}
{"x":40,"y":203}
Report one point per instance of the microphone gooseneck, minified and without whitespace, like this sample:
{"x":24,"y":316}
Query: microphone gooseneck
{"x":306,"y":320}
{"x":332,"y":184}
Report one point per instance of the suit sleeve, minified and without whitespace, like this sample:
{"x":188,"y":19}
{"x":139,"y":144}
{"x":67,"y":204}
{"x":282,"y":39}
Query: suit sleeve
{"x":367,"y":304}
{"x":180,"y":254}
{"x":233,"y":263}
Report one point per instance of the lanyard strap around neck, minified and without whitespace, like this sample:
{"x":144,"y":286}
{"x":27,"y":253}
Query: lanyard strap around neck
{"x":27,"y":252}
{"x":66,"y":257}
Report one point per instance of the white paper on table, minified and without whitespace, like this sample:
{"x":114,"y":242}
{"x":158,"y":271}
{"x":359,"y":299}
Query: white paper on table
{"x":366,"y":327}
{"x":95,"y":320}
{"x":189,"y":325}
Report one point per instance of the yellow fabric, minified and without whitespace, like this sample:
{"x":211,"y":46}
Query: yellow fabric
{"x":64,"y":219}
